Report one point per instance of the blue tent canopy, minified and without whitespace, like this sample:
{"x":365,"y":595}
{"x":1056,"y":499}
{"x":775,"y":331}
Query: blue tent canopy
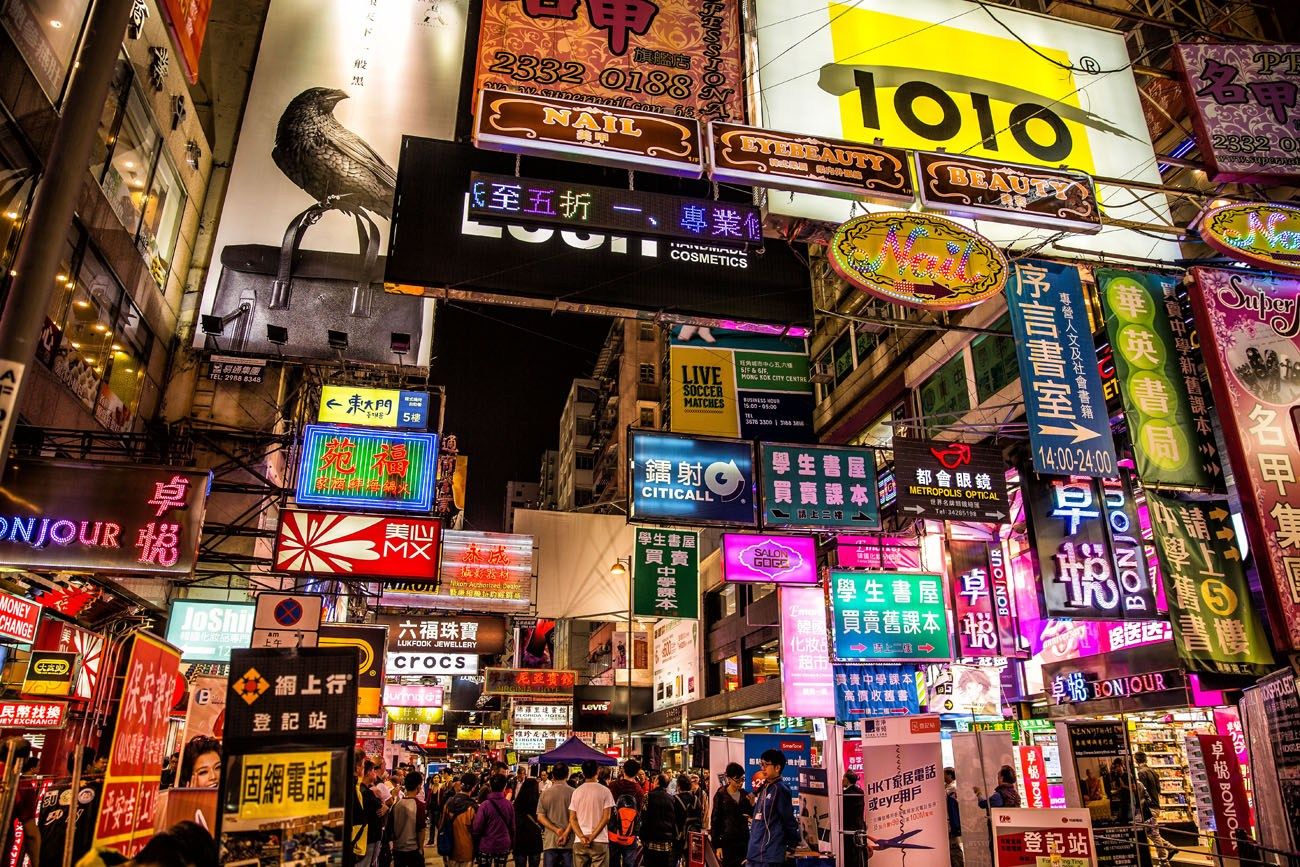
{"x":575,"y":752}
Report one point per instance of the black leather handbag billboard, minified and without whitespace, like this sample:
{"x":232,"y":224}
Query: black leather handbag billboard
{"x":303,"y":294}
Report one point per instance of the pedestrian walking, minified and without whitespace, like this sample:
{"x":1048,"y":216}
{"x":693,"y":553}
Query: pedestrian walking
{"x":409,"y":821}
{"x":624,"y":824}
{"x":528,"y":831}
{"x":494,"y":825}
{"x":729,"y":825}
{"x":663,"y":826}
{"x":856,"y":850}
{"x":455,"y":827}
{"x":956,"y":854}
{"x":1005,"y":795}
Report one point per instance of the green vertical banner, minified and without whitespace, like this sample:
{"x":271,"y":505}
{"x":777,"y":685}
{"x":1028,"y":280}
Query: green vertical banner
{"x":1215,"y":624}
{"x":666,"y":573}
{"x":1159,"y":380}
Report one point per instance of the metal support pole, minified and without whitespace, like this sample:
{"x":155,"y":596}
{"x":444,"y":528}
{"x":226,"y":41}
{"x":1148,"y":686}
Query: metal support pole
{"x":44,"y":236}
{"x":74,"y":806}
{"x":628,"y":753}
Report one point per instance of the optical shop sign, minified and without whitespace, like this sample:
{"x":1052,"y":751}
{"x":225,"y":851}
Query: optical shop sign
{"x":92,"y":518}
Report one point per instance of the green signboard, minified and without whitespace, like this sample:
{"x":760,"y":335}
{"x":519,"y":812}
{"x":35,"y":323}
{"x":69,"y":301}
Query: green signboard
{"x":819,"y":487}
{"x":366,"y":469}
{"x":666,"y":573}
{"x":1216,"y":627}
{"x":1159,"y":379}
{"x":888,"y":616}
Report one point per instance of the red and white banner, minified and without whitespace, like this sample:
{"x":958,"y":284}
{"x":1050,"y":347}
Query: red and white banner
{"x":402,"y":695}
{"x":126,"y":813}
{"x":18,"y":619}
{"x":1033,"y":773}
{"x":33,"y":715}
{"x":1227,"y":791}
{"x":373,"y":546}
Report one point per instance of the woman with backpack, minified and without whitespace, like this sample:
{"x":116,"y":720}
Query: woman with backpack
{"x":494,"y":826}
{"x":663,"y":827}
{"x":528,"y":831}
{"x":455,"y":827}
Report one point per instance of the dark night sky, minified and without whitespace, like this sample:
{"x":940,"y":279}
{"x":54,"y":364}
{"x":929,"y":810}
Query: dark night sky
{"x":507,"y":373}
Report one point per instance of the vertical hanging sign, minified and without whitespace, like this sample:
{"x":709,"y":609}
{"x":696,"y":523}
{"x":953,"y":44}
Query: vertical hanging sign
{"x":1168,"y":418}
{"x":1250,"y":332}
{"x":666,"y":573}
{"x":1069,"y":430}
{"x":978,"y":608}
{"x":1215,"y":624}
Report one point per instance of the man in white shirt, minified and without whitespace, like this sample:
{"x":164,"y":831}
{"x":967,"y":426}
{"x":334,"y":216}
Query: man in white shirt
{"x":589,"y":813}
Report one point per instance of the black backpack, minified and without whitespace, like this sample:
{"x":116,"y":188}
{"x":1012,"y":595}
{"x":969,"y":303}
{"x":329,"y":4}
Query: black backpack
{"x":625,"y":824}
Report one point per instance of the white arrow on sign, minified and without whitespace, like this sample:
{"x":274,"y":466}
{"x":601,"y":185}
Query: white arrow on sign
{"x":1078,"y":431}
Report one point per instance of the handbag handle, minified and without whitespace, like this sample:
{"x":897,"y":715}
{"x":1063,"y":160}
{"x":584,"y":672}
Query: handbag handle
{"x":368,"y":248}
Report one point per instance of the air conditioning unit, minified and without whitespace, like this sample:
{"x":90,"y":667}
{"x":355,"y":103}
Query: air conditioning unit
{"x":820,"y":372}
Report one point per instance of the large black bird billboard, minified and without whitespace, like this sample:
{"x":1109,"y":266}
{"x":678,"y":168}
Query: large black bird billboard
{"x":307,"y":209}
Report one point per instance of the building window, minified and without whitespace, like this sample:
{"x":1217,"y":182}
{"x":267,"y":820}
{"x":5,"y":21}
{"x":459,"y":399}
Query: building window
{"x":994,"y":359}
{"x":867,"y":339}
{"x":766,"y":661}
{"x":648,"y":417}
{"x":47,"y":33}
{"x":647,"y":331}
{"x":945,"y":396}
{"x":584,"y":460}
{"x":842,"y":354}
{"x":18,"y":173}
{"x":138,"y":180}
{"x":730,"y":673}
{"x":647,"y":374}
{"x":728,"y":600}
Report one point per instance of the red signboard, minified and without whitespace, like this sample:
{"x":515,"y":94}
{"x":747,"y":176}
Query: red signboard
{"x":33,"y":715}
{"x":1249,"y":325}
{"x":188,"y":22}
{"x":372,"y":546}
{"x":126,"y":813}
{"x":1227,"y":791}
{"x":18,"y":619}
{"x":527,"y":681}
{"x":1033,"y":771}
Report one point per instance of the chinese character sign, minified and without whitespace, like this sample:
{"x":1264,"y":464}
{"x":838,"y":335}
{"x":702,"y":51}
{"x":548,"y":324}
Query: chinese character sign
{"x":1227,"y":791}
{"x":282,"y":785}
{"x":1248,"y":326}
{"x":902,"y":781}
{"x":887,"y":616}
{"x":323,"y":543}
{"x":126,"y":814}
{"x":481,"y":572}
{"x":1243,"y":101}
{"x":863,"y":691}
{"x":749,"y":558}
{"x":819,"y":487}
{"x":355,"y":467}
{"x":1068,"y":522}
{"x":878,"y":552}
{"x":950,"y":481}
{"x":666,"y":573}
{"x":671,"y":56}
{"x":1043,"y":838}
{"x":374,"y":407}
{"x":1166,"y":407}
{"x":1216,"y":627}
{"x":468,"y":634}
{"x":526,"y":681}
{"x":1033,"y":777}
{"x":981,"y":600}
{"x":302,"y":696}
{"x":111,"y":518}
{"x":806,"y":682}
{"x":1069,"y":429}
{"x":690,"y":480}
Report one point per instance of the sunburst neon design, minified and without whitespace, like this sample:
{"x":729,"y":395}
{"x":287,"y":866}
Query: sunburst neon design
{"x":325,"y":543}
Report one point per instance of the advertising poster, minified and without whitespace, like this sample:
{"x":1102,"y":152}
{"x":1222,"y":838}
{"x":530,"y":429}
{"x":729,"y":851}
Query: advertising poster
{"x":739,"y":384}
{"x":815,"y":810}
{"x":1069,"y":428}
{"x":666,"y":573}
{"x":369,"y":642}
{"x":819,"y":487}
{"x":863,"y":691}
{"x":1216,"y":626}
{"x":690,"y":480}
{"x":286,"y":807}
{"x":1227,"y":792}
{"x":798,"y":757}
{"x":950,"y":481}
{"x":807,"y":684}
{"x":882,"y":553}
{"x":964,"y":689}
{"x":1032,"y":774}
{"x":479,"y":572}
{"x":888,"y":616}
{"x":536,"y":644}
{"x":926,"y":76}
{"x":986,"y":625}
{"x":208,"y":631}
{"x":84,"y":517}
{"x":50,"y":674}
{"x":346,"y":69}
{"x":1245,"y":123}
{"x":1043,"y":838}
{"x":676,"y":663}
{"x":1099,"y":778}
{"x":1164,"y":402}
{"x":1275,"y":734}
{"x":1248,"y":325}
{"x":126,"y":815}
{"x":907,"y":816}
{"x":669,"y":56}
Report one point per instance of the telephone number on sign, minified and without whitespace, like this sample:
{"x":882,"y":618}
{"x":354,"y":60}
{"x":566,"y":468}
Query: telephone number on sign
{"x":1085,"y":461}
{"x":548,"y":70}
{"x":1249,"y":144}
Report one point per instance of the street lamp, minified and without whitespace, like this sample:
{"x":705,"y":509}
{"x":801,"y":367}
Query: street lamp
{"x":622,"y":568}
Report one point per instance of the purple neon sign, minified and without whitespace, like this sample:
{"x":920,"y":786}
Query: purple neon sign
{"x":772,"y":559}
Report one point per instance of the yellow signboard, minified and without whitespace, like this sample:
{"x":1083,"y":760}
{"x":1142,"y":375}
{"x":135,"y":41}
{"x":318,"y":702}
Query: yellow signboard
{"x":284,"y":786}
{"x":374,"y":407}
{"x":703,"y":391}
{"x":415,"y":715}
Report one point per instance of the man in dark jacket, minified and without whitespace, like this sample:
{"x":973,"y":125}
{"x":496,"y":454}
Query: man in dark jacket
{"x":774,"y":833}
{"x":663,"y":827}
{"x":729,"y":826}
{"x":856,"y":852}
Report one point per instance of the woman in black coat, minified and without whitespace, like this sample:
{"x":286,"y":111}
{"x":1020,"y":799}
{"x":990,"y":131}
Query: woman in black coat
{"x":528,"y":831}
{"x":663,"y":826}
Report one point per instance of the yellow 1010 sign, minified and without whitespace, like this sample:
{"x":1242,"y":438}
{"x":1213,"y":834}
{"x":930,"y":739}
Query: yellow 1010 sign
{"x":919,"y":260}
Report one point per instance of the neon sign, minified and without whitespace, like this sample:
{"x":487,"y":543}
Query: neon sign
{"x":1265,"y":235}
{"x":344,"y":466}
{"x":775,"y":559}
{"x":496,"y":198}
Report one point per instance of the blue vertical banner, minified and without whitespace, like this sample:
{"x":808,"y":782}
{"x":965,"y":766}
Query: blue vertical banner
{"x":798,"y":754}
{"x":1069,"y":429}
{"x":863,"y":691}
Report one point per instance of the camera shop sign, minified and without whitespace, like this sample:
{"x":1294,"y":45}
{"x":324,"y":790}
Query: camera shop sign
{"x":565,"y":128}
{"x":98,"y":518}
{"x":1030,"y":196}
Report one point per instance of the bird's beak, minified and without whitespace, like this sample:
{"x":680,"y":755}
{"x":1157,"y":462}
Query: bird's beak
{"x":338,"y":96}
